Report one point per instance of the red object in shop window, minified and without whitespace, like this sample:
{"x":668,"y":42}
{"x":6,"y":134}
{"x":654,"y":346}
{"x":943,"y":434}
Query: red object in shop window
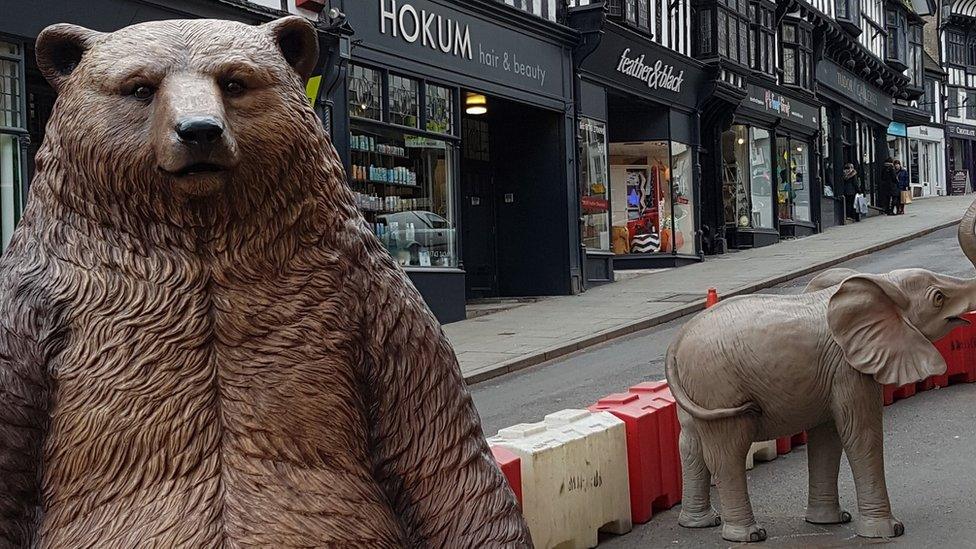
{"x":311,"y":5}
{"x":593,"y":204}
{"x":511,"y":466}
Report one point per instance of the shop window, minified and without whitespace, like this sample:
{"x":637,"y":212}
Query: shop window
{"x":594,"y":199}
{"x":762,"y":55}
{"x":12,"y":129}
{"x":797,"y":52}
{"x":440,"y":109}
{"x":747,"y":177}
{"x":404,"y":101}
{"x":652,"y":208}
{"x":793,"y":170}
{"x":913,"y":165}
{"x":365,"y":93}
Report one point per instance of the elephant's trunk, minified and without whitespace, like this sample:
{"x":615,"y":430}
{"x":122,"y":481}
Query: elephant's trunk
{"x":967,"y":233}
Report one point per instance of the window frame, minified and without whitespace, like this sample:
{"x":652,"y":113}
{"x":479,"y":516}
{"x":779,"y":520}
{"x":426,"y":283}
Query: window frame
{"x":735,"y":18}
{"x":956,"y":48}
{"x":762,"y":47}
{"x":802,"y":47}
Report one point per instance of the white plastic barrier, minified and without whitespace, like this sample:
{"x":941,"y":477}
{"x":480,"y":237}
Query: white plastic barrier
{"x":574,"y":477}
{"x":761,"y":451}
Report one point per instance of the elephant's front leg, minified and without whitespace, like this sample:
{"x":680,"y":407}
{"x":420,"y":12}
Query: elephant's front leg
{"x":823,"y":461}
{"x":858,"y":417}
{"x":725,"y":444}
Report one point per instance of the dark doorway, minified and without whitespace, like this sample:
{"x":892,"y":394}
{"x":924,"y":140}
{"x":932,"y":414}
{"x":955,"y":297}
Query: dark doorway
{"x":514,"y":202}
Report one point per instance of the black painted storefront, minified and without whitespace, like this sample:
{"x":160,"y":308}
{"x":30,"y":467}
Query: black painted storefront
{"x":858,"y":116}
{"x":646,"y":98}
{"x":507,"y":175}
{"x":795,"y":182}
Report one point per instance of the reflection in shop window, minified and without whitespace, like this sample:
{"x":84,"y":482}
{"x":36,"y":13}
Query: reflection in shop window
{"x":365,"y":93}
{"x":594,"y":204}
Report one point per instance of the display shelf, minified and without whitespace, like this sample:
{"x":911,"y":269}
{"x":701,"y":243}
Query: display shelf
{"x":387,"y":183}
{"x":382,"y":154}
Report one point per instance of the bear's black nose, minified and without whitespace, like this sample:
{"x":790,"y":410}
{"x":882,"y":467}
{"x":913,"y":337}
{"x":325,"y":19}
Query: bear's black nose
{"x":199,"y":130}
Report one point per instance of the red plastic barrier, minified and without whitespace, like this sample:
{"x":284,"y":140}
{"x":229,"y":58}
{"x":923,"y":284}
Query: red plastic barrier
{"x":511,"y":466}
{"x":785,"y":445}
{"x":653,"y":462}
{"x":959,"y":350}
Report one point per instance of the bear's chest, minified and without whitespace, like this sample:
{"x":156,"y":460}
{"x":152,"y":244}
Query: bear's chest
{"x":210,"y":387}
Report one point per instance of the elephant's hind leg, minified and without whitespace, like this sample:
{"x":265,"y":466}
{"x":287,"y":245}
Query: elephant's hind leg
{"x":726,"y":443}
{"x":696,"y":506}
{"x":824,"y":449}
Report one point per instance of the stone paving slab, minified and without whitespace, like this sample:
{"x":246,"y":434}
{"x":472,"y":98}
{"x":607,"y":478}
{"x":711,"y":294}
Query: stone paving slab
{"x":510,"y":340}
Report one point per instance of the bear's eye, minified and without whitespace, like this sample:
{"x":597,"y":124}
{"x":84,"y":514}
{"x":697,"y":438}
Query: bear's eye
{"x":143,"y":92}
{"x":233,"y":87}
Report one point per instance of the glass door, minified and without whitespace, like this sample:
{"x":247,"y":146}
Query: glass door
{"x":13,"y":128}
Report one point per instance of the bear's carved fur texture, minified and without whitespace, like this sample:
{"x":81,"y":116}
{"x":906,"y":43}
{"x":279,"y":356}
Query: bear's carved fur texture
{"x":201,"y":342}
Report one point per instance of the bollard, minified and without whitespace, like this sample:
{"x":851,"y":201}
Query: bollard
{"x":712,"y":298}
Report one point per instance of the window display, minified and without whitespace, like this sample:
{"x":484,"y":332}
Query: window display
{"x":747,"y":177}
{"x":365,"y":93}
{"x":594,"y":203}
{"x":651,"y":198}
{"x":793,"y":196}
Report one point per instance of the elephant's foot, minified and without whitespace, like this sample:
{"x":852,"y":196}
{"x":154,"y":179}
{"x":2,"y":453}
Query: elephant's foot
{"x":704,"y":519}
{"x":827,"y":514}
{"x":751,"y":533}
{"x":879,"y":527}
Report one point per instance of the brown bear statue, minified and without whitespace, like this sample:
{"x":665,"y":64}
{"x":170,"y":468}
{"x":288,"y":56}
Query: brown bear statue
{"x":201,"y":342}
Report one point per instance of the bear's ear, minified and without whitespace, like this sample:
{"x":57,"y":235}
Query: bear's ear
{"x":60,"y":48}
{"x":297,"y":41}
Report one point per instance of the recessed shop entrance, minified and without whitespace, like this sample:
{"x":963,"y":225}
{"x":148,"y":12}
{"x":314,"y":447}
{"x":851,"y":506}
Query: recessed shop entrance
{"x":513,"y":204}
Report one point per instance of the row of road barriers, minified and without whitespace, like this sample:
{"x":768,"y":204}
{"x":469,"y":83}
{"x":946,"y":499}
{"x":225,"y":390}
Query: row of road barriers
{"x":616,"y":463}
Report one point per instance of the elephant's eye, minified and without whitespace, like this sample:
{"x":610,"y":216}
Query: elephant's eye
{"x":938,"y":298}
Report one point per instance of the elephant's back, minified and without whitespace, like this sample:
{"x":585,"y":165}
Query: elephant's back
{"x":760,"y":348}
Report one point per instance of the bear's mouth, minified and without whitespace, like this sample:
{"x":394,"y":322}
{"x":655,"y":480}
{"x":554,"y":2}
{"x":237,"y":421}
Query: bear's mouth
{"x":199,"y":168}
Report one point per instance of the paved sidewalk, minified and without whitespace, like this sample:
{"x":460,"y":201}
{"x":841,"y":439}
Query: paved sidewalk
{"x":495,"y":344}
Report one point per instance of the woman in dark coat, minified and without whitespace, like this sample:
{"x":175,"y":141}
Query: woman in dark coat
{"x":888,"y":188}
{"x":852,"y":187}
{"x":901,"y":175}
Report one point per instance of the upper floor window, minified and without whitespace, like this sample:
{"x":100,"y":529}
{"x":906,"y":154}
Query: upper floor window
{"x":797,"y":54}
{"x":971,"y":105}
{"x":897,"y":42}
{"x":915,"y":55}
{"x":928,"y":102}
{"x":953,"y":109}
{"x":547,"y":9}
{"x":762,"y":47}
{"x":956,"y":48}
{"x":732,"y":26}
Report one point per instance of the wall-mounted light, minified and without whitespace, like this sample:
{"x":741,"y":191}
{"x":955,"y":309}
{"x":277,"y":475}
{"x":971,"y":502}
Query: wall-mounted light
{"x":741,"y":141}
{"x":799,"y":149}
{"x":475,"y":104}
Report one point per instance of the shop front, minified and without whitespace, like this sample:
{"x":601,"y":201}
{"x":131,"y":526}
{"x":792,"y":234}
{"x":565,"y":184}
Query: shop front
{"x":460,"y":133}
{"x":926,"y":161}
{"x":960,"y":157}
{"x":857,"y":116}
{"x":771,"y":185}
{"x":638,"y":151}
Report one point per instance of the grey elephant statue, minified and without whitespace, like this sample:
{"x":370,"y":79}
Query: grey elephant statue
{"x":761,"y":367}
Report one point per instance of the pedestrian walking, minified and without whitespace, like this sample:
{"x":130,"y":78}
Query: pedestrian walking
{"x":888,"y":189}
{"x":852,"y":188}
{"x":904,"y":189}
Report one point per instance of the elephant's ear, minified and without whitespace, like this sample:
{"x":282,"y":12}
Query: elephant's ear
{"x":866,"y":319}
{"x":829,"y":279}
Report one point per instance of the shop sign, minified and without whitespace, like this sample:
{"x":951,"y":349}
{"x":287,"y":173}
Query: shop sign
{"x":898,"y":129}
{"x":959,"y":130}
{"x":960,"y":181}
{"x":594,"y":204}
{"x":440,"y":35}
{"x":781,"y":106}
{"x":631,"y":62}
{"x":854,"y":88}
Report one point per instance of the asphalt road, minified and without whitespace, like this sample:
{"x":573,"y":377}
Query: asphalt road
{"x":929,"y":446}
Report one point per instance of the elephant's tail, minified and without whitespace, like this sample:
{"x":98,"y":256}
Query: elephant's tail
{"x":696,"y":411}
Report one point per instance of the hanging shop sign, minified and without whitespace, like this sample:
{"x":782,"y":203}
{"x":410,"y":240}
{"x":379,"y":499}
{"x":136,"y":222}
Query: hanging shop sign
{"x":897,"y":129}
{"x":961,"y":130}
{"x":859,"y":93}
{"x":781,"y":106}
{"x":645,"y":68}
{"x":438,"y":34}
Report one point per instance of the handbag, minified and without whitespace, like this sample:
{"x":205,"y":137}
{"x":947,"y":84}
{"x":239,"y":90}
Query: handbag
{"x":906,"y":197}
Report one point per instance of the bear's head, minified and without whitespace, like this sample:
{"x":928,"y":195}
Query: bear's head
{"x":163,"y":114}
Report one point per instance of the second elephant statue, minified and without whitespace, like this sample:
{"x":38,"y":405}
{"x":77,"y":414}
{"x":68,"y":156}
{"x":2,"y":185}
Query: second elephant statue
{"x":761,"y":367}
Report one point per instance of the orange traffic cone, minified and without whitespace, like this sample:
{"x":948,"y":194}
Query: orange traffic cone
{"x":712,"y":298}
